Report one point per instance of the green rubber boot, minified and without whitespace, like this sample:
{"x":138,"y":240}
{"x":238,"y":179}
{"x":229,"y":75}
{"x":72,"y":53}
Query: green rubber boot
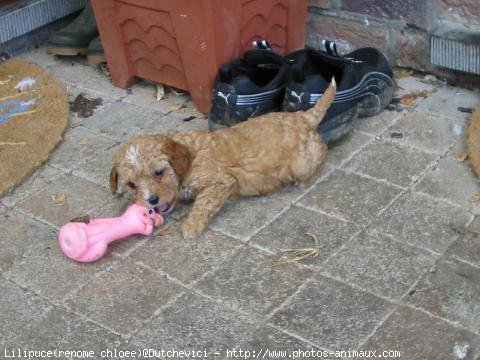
{"x":95,"y":53}
{"x":74,"y":39}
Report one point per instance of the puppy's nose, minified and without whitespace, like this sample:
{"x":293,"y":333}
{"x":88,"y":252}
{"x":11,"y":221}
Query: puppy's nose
{"x":153,"y":200}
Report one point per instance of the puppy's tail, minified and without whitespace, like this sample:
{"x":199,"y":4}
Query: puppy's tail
{"x":315,"y":115}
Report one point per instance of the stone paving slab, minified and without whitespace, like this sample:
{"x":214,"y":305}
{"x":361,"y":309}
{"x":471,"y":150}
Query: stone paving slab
{"x":245,"y":217}
{"x":382,"y":266}
{"x":144,"y":94}
{"x":300,"y":228}
{"x":180,"y":120}
{"x":350,"y":196}
{"x":342,"y":152}
{"x":81,"y":197}
{"x":124,"y":297}
{"x":194,"y":322}
{"x":453,"y":181}
{"x":411,"y":84}
{"x":99,"y":85}
{"x":19,"y":234}
{"x":332,"y":315}
{"x":70,"y":70}
{"x":474,"y":226}
{"x":50,"y":274}
{"x":39,"y":56}
{"x":466,"y":248}
{"x":63,"y":330}
{"x":421,"y":221}
{"x":418,"y":336}
{"x":274,"y":344}
{"x":97,"y":170}
{"x":451,"y":291}
{"x":19,"y":308}
{"x":78,"y":146}
{"x":121,"y":120}
{"x":253,"y":282}
{"x":428,"y":132}
{"x":446,"y":100}
{"x":399,"y":165}
{"x":38,"y":180}
{"x":378,"y":124}
{"x":185,"y":260}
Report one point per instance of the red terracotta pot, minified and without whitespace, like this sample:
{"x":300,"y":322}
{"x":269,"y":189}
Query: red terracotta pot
{"x":182,"y":43}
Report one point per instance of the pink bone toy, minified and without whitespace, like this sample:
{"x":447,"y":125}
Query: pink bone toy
{"x":86,"y":242}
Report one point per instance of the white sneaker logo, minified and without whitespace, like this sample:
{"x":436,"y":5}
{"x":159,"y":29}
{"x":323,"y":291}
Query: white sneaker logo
{"x":299,"y":97}
{"x":222,"y":95}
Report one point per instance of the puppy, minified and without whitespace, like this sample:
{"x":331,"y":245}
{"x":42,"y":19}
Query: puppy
{"x":255,"y":157}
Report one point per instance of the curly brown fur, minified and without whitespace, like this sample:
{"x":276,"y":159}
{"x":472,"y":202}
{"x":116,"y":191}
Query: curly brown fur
{"x":255,"y":157}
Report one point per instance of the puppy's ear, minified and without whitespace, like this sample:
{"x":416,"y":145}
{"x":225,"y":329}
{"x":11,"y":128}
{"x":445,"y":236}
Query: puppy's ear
{"x":113,"y":180}
{"x":179,"y":157}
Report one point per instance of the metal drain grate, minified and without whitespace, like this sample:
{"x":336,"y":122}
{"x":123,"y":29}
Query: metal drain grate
{"x":34,"y":14}
{"x":456,"y":50}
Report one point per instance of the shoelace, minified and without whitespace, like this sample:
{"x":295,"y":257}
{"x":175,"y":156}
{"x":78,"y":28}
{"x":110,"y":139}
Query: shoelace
{"x":262,"y":44}
{"x":331,"y":48}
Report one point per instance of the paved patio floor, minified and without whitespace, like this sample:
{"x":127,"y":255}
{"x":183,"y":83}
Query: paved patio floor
{"x":393,"y":215}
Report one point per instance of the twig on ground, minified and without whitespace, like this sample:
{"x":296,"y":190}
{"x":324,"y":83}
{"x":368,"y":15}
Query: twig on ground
{"x":8,"y":143}
{"x":295,"y":255}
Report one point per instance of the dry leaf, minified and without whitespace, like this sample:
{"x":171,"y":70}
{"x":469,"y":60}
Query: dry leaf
{"x":475,"y":198}
{"x":160,"y":92}
{"x":174,"y":107}
{"x":59,"y":199}
{"x":407,"y":100}
{"x":462,"y":157}
{"x":410,"y":99}
{"x":83,"y":141}
{"x":164,"y":232}
{"x":402,"y":73}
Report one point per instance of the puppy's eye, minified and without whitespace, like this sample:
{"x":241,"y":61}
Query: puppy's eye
{"x":159,"y":173}
{"x":131,"y":185}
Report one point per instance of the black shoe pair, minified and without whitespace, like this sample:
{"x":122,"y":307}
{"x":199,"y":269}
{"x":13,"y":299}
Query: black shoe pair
{"x":264,"y":81}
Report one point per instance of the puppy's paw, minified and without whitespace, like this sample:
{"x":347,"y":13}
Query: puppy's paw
{"x":192,"y":229}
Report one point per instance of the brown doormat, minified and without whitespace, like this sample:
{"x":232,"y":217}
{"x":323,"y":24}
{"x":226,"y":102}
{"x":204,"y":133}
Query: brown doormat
{"x":473,"y":141}
{"x":33,"y":115}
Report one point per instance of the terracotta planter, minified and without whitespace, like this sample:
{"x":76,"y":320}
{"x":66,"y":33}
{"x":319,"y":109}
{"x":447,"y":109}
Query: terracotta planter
{"x":182,"y":43}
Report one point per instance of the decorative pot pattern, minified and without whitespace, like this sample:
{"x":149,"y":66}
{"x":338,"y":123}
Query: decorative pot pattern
{"x":182,"y":43}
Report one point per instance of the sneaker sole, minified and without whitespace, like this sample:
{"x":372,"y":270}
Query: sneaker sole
{"x":340,"y":126}
{"x":375,"y":104}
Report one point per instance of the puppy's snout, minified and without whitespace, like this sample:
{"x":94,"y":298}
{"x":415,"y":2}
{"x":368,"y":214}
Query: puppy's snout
{"x":153,"y":200}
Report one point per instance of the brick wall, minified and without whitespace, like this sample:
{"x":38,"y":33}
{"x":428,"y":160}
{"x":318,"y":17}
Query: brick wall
{"x":400,"y":28}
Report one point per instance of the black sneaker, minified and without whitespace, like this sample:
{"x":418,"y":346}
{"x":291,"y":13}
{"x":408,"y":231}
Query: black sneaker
{"x":250,"y":86}
{"x":364,"y":82}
